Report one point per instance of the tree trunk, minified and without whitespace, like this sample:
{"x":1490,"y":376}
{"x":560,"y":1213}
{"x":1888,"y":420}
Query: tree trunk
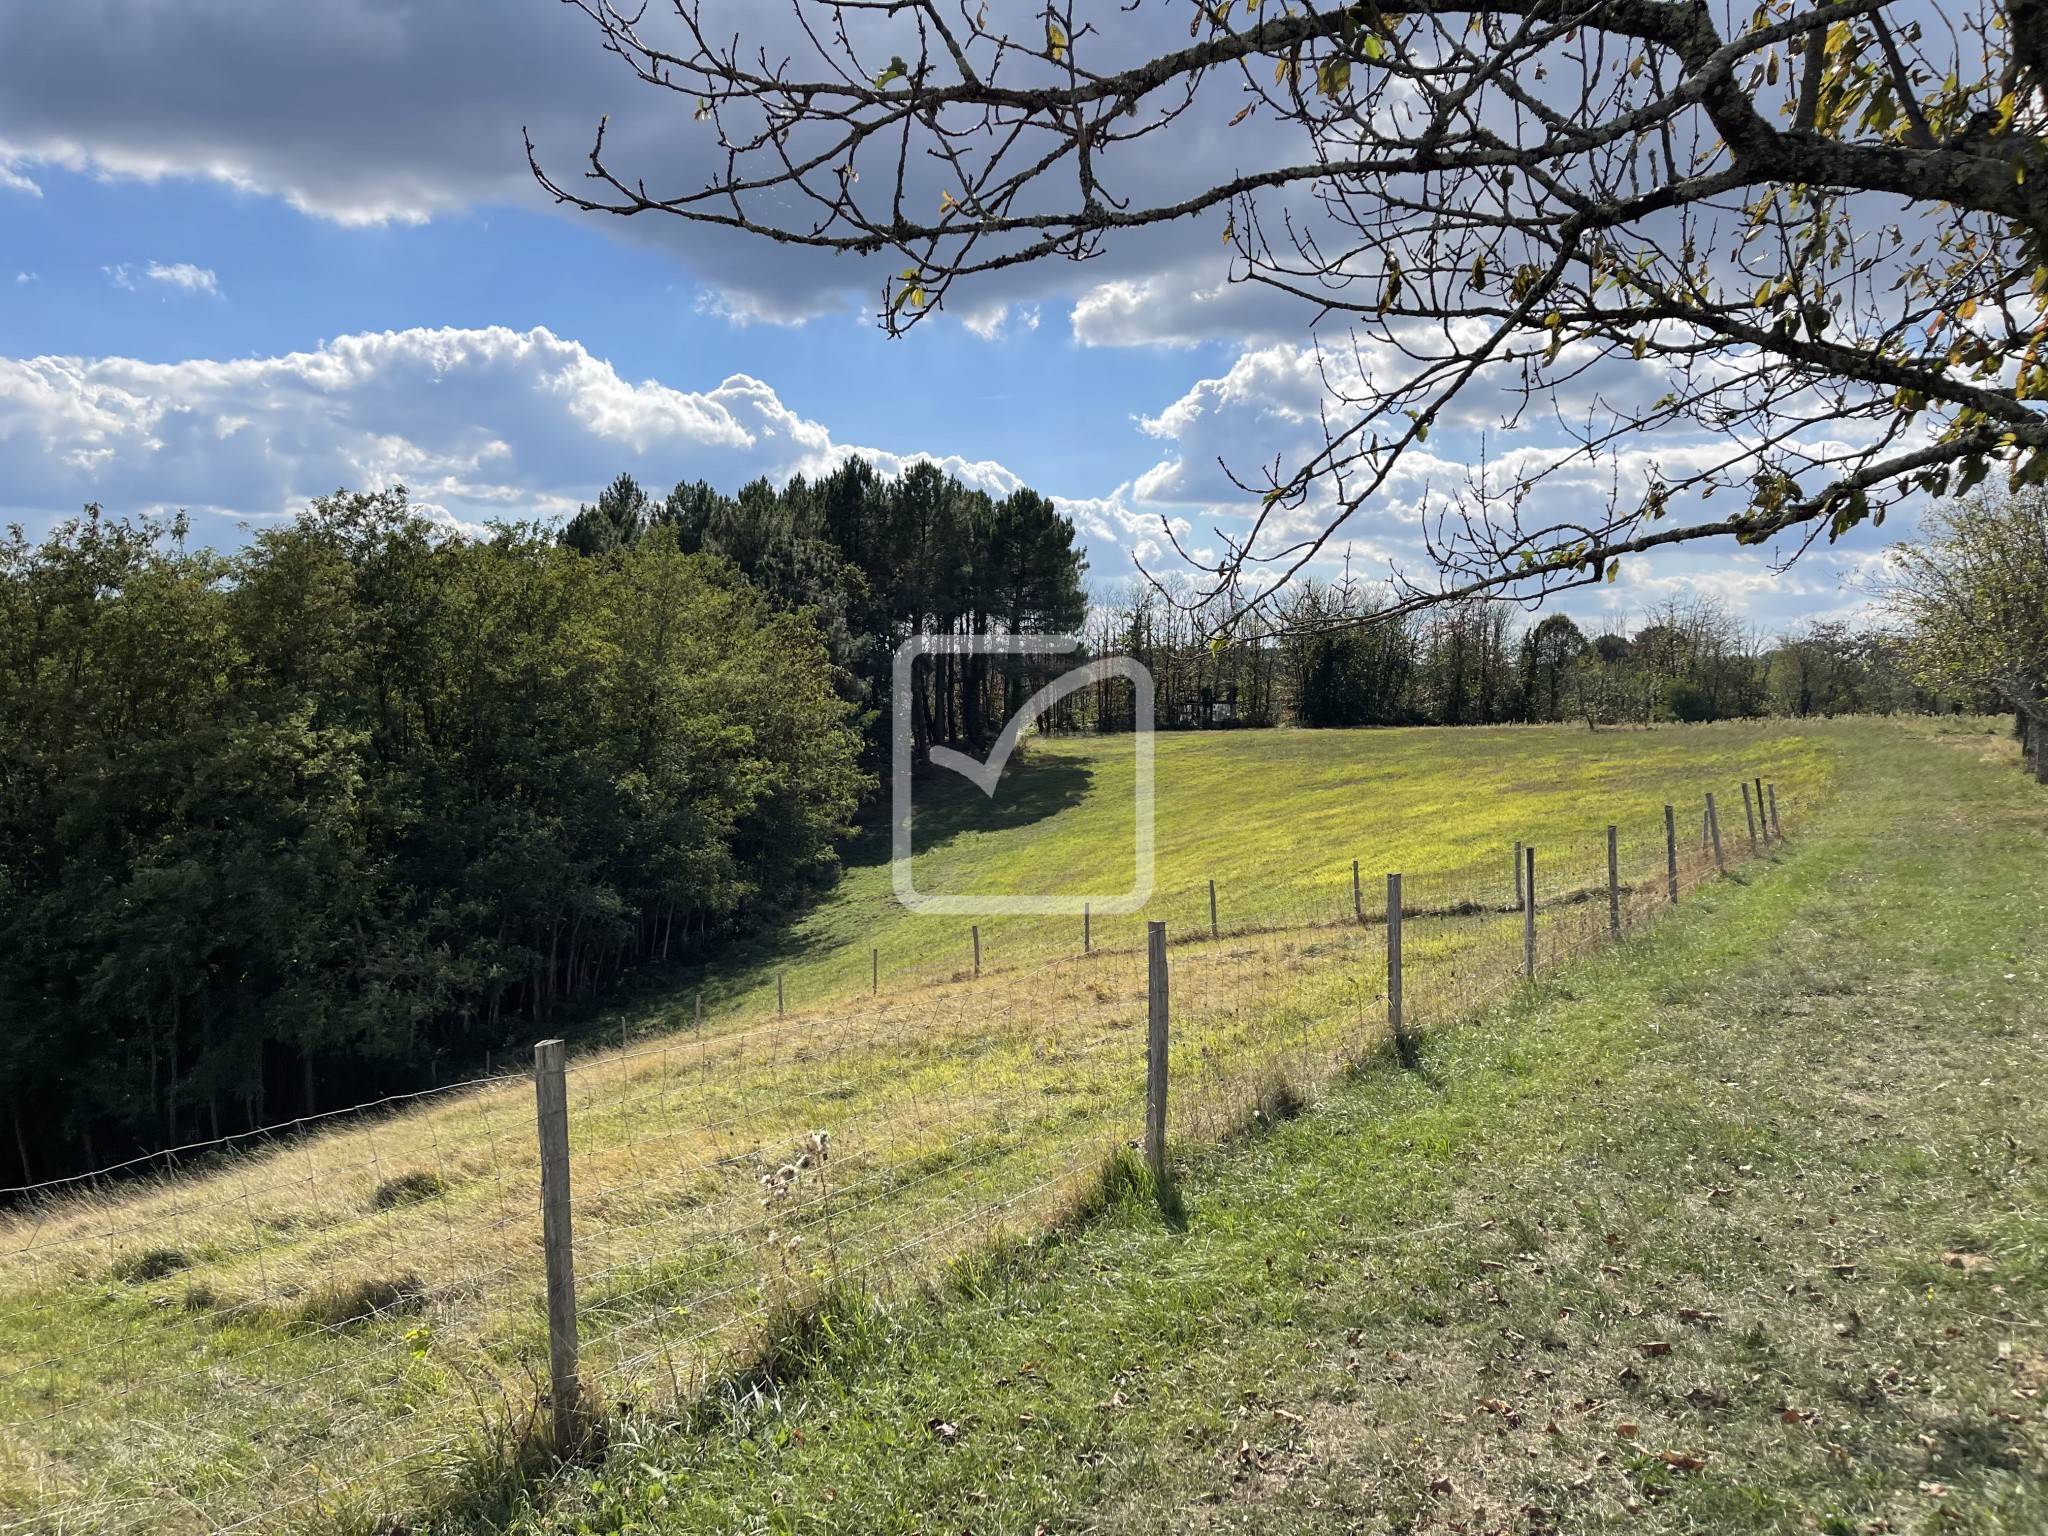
{"x":171,"y":1094}
{"x":28,"y":1175}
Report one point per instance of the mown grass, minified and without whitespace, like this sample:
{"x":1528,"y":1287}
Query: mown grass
{"x":348,"y":1324}
{"x":1275,"y":818}
{"x":1739,"y":1227}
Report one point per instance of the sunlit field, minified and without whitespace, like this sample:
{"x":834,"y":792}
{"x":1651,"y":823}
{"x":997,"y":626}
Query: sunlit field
{"x":348,"y":1323}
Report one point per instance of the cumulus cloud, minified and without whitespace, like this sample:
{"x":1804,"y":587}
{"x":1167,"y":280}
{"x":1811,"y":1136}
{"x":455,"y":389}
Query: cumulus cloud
{"x":376,"y":111}
{"x":500,"y":424}
{"x":485,"y":423}
{"x":184,"y":275}
{"x":364,"y":112}
{"x":1191,"y":300}
{"x":1273,"y":405}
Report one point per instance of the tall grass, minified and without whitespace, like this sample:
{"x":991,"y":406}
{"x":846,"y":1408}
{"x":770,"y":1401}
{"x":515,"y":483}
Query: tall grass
{"x":364,"y":1299}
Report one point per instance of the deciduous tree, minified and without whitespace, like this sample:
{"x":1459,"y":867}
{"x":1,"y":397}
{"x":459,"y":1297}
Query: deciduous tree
{"x":1810,"y":232}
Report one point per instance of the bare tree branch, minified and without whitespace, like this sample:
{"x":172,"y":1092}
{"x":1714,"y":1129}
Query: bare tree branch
{"x":1817,"y":236}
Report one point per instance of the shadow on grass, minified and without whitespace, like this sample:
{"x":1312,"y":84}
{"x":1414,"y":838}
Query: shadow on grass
{"x":1034,"y":788}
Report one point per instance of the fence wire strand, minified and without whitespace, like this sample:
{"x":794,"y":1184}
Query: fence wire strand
{"x":362,"y":1291}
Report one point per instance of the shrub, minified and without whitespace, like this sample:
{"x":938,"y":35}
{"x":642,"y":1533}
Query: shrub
{"x":340,"y":1303}
{"x":149,"y":1264}
{"x":408,"y":1189}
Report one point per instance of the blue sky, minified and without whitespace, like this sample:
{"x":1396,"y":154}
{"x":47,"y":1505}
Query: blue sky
{"x":250,"y":250}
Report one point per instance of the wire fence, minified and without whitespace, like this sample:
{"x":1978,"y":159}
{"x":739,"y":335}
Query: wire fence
{"x":351,"y":1318}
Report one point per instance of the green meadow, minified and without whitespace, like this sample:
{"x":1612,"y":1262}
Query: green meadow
{"x":1275,"y":818}
{"x":345,"y":1329}
{"x":1740,"y":1226}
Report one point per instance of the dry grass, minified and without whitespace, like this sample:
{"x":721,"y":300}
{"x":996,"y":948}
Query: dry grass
{"x":363,"y":1296}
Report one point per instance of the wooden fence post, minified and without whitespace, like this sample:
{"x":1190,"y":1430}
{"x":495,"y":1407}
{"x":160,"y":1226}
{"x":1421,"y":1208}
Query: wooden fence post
{"x":1214,"y":931}
{"x":1357,"y":896}
{"x":1519,"y":899}
{"x":1396,"y":1019}
{"x":1760,"y":810}
{"x":1714,"y":829}
{"x":1087,"y":938}
{"x":1671,"y":853}
{"x":1155,"y":1051}
{"x":778,"y":994}
{"x":1749,"y":813}
{"x":1529,"y":913}
{"x":1777,"y":830}
{"x":551,"y":1094}
{"x":976,"y":931}
{"x":1614,"y":880}
{"x":700,"y":1010}
{"x":874,"y":973}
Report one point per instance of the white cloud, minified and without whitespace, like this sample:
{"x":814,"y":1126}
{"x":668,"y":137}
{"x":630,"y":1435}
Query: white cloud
{"x":479,"y":423}
{"x":184,"y":275}
{"x":1273,"y":404}
{"x":432,"y":96}
{"x":26,"y":277}
{"x":11,"y":180}
{"x":495,"y":423}
{"x":1184,"y":304}
{"x":119,"y":275}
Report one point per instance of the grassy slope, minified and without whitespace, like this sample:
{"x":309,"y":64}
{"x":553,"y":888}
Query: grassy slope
{"x":208,"y":1381}
{"x":1444,"y":1300}
{"x":1274,"y":817}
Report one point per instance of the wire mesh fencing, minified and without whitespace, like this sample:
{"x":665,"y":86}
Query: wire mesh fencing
{"x":352,"y":1316}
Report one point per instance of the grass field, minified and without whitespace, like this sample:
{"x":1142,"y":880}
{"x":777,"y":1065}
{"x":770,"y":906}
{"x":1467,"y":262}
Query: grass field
{"x":1275,"y":818}
{"x":1740,"y":1227}
{"x":347,"y":1324}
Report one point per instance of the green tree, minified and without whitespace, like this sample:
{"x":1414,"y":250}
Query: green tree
{"x":281,"y":829}
{"x":1973,"y":593}
{"x":1550,"y":650}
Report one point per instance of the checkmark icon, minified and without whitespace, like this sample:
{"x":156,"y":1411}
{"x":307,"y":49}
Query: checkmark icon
{"x":987,"y":774}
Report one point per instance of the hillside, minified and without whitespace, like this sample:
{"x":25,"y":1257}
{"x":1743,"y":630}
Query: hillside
{"x":1274,"y":817}
{"x":1742,"y":1227}
{"x":362,"y":1297}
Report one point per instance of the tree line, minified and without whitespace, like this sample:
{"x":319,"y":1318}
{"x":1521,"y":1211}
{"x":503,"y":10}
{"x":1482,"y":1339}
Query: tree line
{"x":1330,"y":654}
{"x":290,"y":826}
{"x":874,"y":559}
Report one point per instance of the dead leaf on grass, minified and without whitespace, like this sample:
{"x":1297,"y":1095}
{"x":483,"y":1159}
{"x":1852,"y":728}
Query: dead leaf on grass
{"x":1968,"y":1263}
